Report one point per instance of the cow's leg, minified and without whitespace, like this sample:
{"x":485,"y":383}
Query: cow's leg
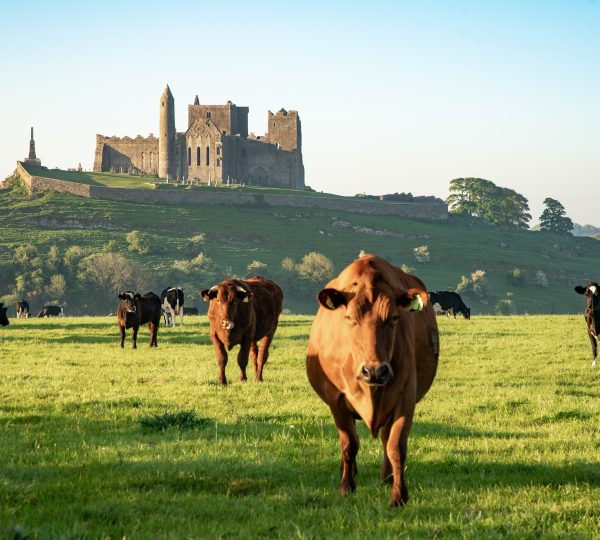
{"x":153,"y":327}
{"x":134,"y":335}
{"x":349,"y":445}
{"x":122,"y":331}
{"x":221,"y":357}
{"x":242,"y":358}
{"x":181,"y":315}
{"x":387,"y":474}
{"x":254,"y":356}
{"x":263,"y":355}
{"x":396,"y":450}
{"x":594,"y":341}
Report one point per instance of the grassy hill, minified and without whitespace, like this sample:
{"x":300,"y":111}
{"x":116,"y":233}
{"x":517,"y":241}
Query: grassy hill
{"x":234,"y":237}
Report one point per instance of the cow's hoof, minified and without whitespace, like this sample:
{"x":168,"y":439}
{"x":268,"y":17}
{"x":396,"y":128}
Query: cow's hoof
{"x":347,"y":490}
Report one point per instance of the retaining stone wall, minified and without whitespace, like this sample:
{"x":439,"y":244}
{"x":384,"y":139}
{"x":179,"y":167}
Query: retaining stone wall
{"x":178,"y":197}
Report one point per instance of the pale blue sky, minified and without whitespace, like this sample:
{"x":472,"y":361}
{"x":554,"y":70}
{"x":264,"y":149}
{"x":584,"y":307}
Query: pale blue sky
{"x":393,"y":96}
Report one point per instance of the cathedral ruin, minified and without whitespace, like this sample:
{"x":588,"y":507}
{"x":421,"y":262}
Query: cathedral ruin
{"x":215,"y":149}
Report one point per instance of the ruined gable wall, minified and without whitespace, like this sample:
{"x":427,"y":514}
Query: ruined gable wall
{"x":126,"y":154}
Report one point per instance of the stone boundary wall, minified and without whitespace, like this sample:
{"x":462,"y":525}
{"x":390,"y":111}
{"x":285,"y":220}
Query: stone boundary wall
{"x":148,"y":196}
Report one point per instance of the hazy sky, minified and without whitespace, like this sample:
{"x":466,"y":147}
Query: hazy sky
{"x":392,"y":95}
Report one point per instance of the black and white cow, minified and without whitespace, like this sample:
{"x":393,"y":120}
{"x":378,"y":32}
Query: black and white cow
{"x":22,"y":309}
{"x":449,"y":302}
{"x":3,"y":317}
{"x":51,"y":311}
{"x":190,"y":311}
{"x":592,"y":314}
{"x":171,"y":300}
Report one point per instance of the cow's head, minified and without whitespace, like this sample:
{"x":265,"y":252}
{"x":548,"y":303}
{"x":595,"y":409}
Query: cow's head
{"x":3,"y":317}
{"x":466,"y":312}
{"x":227,"y":300}
{"x":372,"y":312}
{"x":592,"y":296}
{"x":129,"y":301}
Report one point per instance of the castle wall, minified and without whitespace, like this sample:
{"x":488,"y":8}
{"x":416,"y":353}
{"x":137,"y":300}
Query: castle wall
{"x":263,"y":164}
{"x":124,"y":154}
{"x":181,"y":197}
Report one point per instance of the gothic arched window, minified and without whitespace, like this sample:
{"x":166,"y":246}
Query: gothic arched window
{"x":198,"y":156}
{"x":207,"y":156}
{"x":189,"y":155}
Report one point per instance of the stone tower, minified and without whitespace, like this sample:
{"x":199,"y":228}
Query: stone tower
{"x":166,"y":139}
{"x":32,"y":159}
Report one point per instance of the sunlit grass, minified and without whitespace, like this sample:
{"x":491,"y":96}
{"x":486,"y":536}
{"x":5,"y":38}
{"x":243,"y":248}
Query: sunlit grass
{"x":506,"y":444}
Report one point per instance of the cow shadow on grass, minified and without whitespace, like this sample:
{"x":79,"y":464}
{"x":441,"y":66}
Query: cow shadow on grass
{"x":272,"y":462}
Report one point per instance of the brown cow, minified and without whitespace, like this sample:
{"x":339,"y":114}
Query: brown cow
{"x":243,"y":312}
{"x":369,"y":357}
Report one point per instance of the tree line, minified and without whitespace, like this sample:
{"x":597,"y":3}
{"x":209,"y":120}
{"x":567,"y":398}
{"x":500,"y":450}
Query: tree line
{"x":479,"y":198}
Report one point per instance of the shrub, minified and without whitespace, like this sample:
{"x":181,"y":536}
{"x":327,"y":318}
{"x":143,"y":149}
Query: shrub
{"x":315,"y":267}
{"x":407,"y":269}
{"x":288,"y":264}
{"x":516,"y":276}
{"x":138,"y":242}
{"x":476,"y":285}
{"x":255,"y":267}
{"x":541,"y":279}
{"x":196,"y":240}
{"x":422,"y":254}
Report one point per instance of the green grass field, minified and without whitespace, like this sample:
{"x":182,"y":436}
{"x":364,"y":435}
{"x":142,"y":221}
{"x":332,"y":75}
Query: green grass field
{"x":95,"y":441}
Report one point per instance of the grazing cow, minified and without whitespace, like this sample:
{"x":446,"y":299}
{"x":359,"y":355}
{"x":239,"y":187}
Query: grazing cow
{"x":449,"y":302}
{"x":243,"y":312}
{"x":190,"y":311}
{"x":135,"y":310}
{"x":171,"y":300}
{"x":51,"y":311}
{"x":369,"y":356}
{"x":22,"y":309}
{"x":3,"y":316}
{"x":592,"y":314}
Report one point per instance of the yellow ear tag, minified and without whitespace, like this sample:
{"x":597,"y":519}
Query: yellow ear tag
{"x":416,"y":304}
{"x":330,"y":303}
{"x":246,"y":299}
{"x":206,"y":298}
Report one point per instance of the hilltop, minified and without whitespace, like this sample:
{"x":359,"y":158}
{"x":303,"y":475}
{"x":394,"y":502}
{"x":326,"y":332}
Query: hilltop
{"x":193,"y":245}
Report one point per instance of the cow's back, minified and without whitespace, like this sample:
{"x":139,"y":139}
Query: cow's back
{"x":267,"y":301}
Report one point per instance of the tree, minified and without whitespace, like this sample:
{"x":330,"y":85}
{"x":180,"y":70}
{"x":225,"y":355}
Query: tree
{"x":315,"y":267}
{"x":112,"y":272}
{"x":554,"y":218}
{"x":481,"y":198}
{"x":57,"y":287}
{"x":138,"y":241}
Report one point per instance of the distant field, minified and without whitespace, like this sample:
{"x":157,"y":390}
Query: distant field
{"x":505,"y":445}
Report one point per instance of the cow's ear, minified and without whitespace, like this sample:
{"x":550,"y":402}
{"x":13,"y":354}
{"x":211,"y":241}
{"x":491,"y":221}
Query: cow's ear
{"x":579,"y":289}
{"x":137,"y":296}
{"x":242,"y":294}
{"x":332,"y":298}
{"x":209,"y":294}
{"x":413,"y":300}
{"x":121,"y":296}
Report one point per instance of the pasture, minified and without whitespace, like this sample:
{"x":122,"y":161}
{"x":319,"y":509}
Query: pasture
{"x":99,"y":442}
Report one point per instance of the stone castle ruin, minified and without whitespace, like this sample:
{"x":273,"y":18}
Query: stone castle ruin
{"x":216,"y":149}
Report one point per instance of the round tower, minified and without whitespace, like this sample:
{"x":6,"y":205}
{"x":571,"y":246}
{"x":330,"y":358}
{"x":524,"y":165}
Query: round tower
{"x":166,"y":140}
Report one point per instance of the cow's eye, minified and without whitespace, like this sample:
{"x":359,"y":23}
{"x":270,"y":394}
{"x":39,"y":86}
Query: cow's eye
{"x":350,"y":320}
{"x":393,"y":319}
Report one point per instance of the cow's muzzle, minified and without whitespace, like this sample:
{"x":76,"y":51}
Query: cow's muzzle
{"x":131,"y":309}
{"x":375,"y":375}
{"x":227,"y":325}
